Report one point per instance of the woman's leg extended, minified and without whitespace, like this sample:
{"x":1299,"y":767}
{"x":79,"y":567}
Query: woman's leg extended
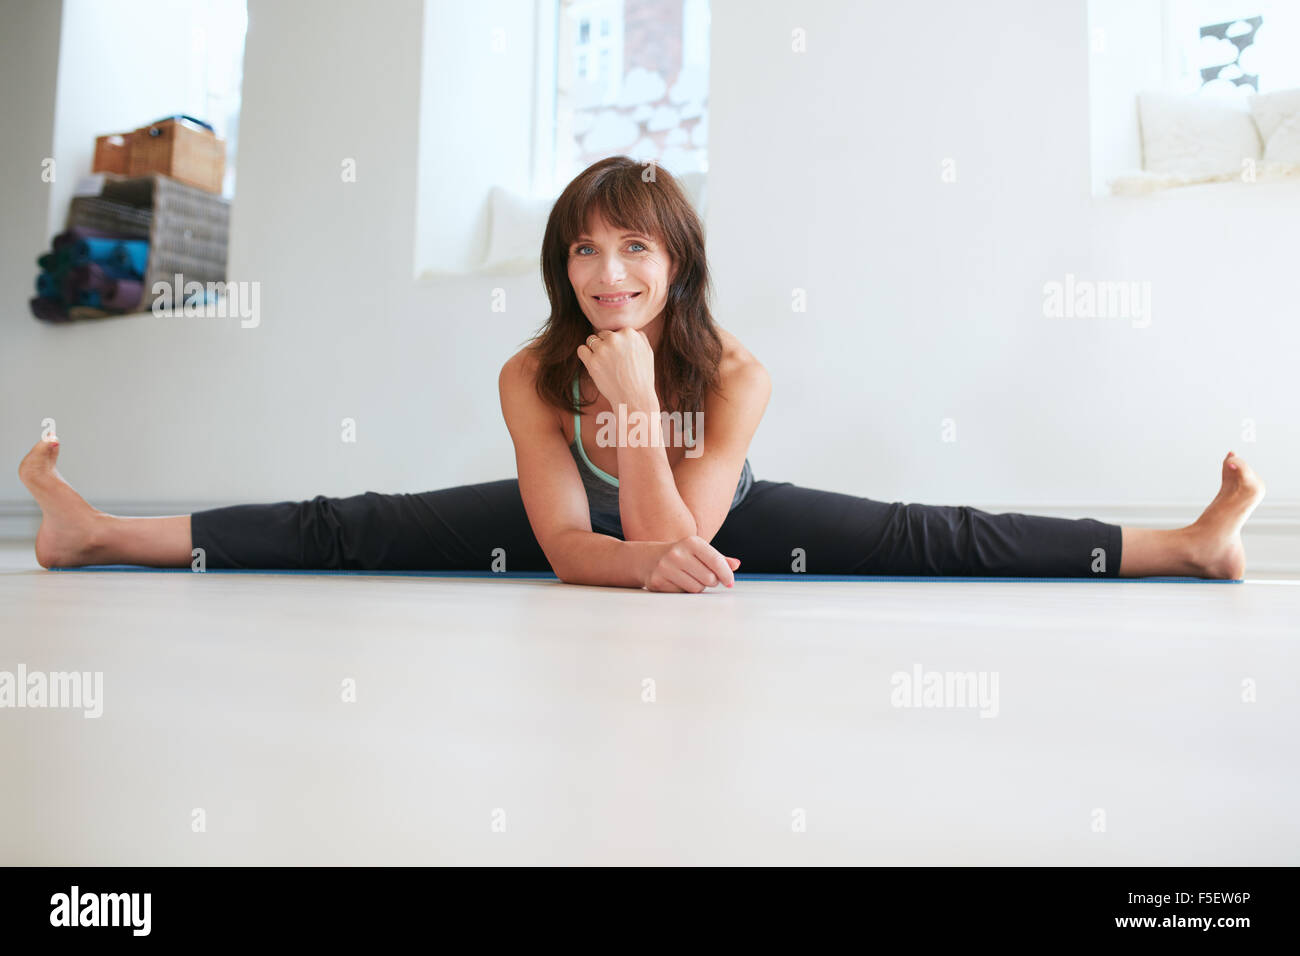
{"x":471,"y":527}
{"x":780,"y":528}
{"x":480,"y":527}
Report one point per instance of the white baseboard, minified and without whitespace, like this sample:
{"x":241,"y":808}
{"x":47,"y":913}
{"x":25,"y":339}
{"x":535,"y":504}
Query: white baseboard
{"x":1272,"y":536}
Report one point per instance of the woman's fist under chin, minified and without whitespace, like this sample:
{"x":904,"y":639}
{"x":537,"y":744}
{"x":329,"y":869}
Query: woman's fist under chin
{"x":622,"y":364}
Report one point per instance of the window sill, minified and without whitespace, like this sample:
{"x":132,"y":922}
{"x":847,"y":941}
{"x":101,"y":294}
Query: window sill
{"x":1137,"y":185}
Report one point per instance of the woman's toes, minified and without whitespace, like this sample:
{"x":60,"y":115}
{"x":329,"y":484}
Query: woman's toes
{"x":1249,"y":481}
{"x":40,"y":461}
{"x":1240,"y":478}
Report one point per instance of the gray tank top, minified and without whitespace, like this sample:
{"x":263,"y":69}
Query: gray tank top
{"x":602,"y":487}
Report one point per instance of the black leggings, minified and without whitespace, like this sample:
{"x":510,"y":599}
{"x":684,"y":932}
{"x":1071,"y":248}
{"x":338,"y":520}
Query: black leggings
{"x":778,"y":528}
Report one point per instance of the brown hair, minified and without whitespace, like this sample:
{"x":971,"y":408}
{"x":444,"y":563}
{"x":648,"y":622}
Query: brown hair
{"x":690,"y":349}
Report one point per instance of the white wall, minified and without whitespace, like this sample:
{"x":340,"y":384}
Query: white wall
{"x":29,"y":58}
{"x":924,"y":296}
{"x":480,"y":61}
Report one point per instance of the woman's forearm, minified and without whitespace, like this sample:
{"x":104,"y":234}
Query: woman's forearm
{"x":585,"y":557}
{"x":650,"y":507}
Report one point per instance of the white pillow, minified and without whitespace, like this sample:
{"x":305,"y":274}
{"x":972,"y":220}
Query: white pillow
{"x":1271,"y":110}
{"x":1284,"y":144}
{"x":517,"y":226}
{"x":1186,"y":134}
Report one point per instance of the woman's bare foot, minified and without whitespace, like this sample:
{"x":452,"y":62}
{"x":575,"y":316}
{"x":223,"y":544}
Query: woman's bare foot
{"x":70,"y":528}
{"x":1216,"y":535}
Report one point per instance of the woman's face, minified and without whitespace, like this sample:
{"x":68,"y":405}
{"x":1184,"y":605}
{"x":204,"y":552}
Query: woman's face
{"x":620,"y":277}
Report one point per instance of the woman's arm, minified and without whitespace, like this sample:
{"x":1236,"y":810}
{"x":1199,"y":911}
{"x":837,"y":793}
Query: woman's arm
{"x":707,"y":481}
{"x":557,"y":508}
{"x":659,"y":502}
{"x":650,"y":508}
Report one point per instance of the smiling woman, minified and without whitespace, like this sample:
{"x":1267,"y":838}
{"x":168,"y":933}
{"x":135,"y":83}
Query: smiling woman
{"x":630,"y":327}
{"x":624,"y":227}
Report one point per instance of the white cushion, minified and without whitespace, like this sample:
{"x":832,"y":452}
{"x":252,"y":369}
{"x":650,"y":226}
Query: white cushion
{"x":517,"y":225}
{"x":1284,"y":145}
{"x":1186,"y":134}
{"x":1278,"y":117}
{"x":1272,"y":109}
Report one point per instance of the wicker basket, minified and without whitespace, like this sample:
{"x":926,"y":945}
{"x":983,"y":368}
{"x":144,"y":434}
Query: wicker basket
{"x":180,"y":150}
{"x":187,"y":228}
{"x":119,"y":219}
{"x":112,"y":154}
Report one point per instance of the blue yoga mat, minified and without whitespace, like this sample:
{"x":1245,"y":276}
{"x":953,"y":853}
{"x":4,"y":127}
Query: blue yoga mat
{"x":548,"y":576}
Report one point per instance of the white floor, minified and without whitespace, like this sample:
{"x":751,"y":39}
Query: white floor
{"x":505,"y":721}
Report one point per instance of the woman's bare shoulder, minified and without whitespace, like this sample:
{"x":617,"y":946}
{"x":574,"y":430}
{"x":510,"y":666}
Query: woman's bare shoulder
{"x":739,"y":367}
{"x":522,"y":366}
{"x":518,"y":385}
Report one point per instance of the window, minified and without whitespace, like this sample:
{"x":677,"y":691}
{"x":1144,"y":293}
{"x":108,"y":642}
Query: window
{"x":519,"y":96}
{"x":219,"y":51}
{"x":638,"y":86}
{"x":1231,"y":48}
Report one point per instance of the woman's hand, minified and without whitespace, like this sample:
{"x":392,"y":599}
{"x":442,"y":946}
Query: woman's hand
{"x":622,"y":364}
{"x":691,"y":564}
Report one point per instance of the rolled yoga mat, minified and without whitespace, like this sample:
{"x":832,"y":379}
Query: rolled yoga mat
{"x":122,"y":294}
{"x":77,"y":233}
{"x":126,"y":257}
{"x":48,"y":286}
{"x":49,"y":310}
{"x":56,"y":255}
{"x":90,"y":276}
{"x":90,"y":297}
{"x":60,"y":271}
{"x":110,"y":292}
{"x":81,"y":281}
{"x":73,"y":292}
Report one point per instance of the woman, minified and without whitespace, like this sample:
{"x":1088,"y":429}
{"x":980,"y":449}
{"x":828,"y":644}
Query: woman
{"x":631,"y":348}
